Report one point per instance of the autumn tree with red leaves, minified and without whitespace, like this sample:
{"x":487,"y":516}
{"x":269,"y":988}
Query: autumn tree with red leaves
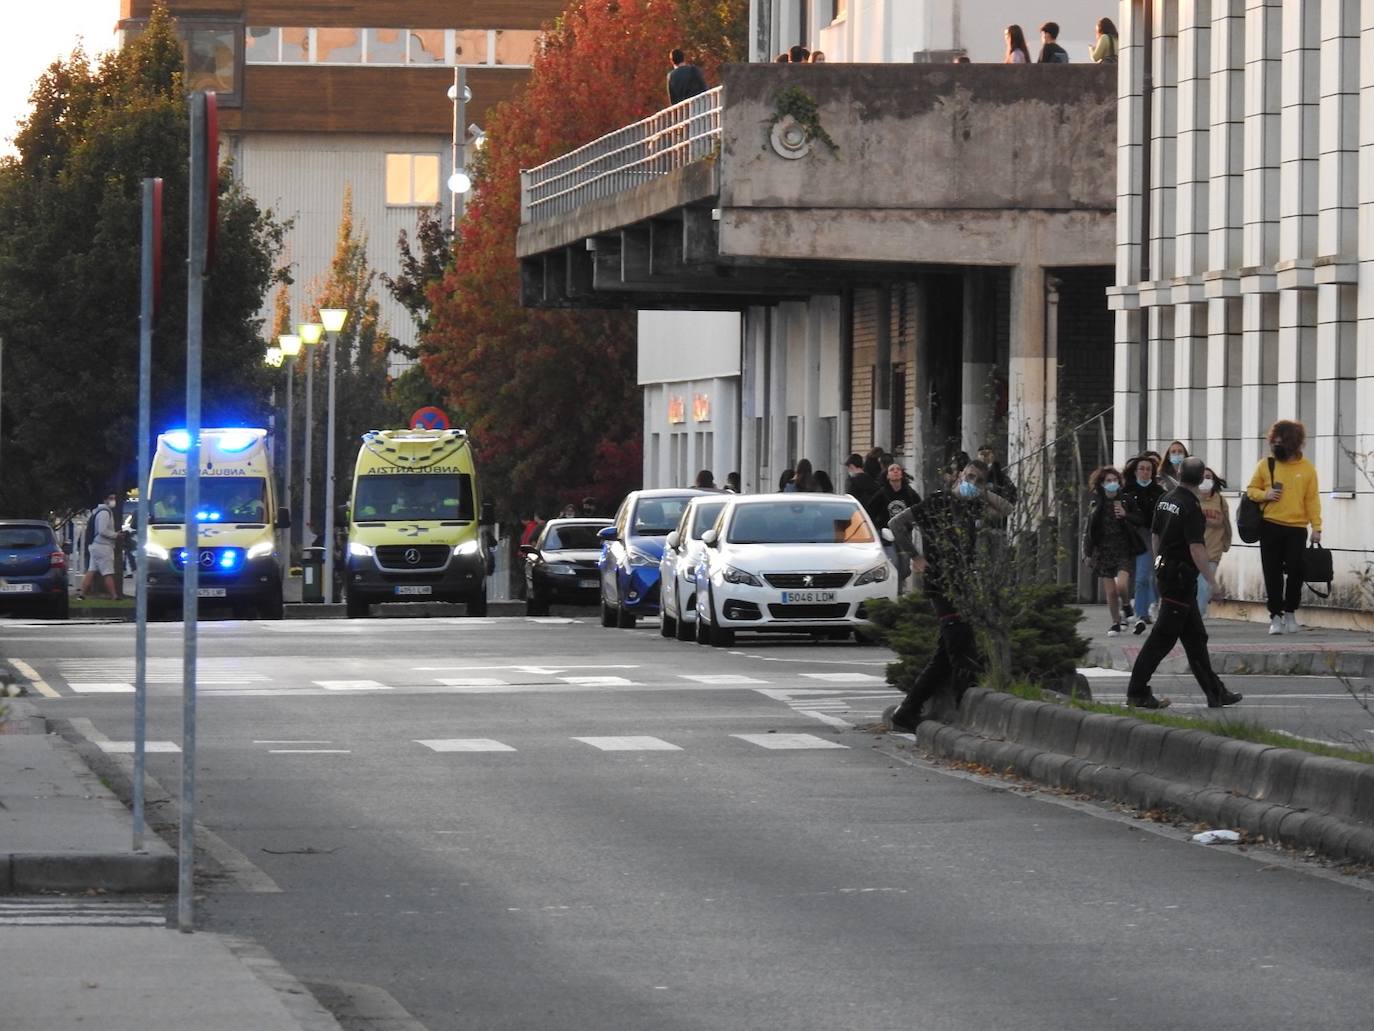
{"x":550,"y":396}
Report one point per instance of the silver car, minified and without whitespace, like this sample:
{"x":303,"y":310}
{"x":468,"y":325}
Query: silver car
{"x":683,"y":551}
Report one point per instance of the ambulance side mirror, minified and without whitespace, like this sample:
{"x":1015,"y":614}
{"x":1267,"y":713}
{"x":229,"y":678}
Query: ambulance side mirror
{"x":488,"y":514}
{"x":283,"y":519}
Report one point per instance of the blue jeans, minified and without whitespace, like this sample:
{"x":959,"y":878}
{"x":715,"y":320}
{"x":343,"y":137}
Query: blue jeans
{"x":1204,"y":593}
{"x":1146,"y":593}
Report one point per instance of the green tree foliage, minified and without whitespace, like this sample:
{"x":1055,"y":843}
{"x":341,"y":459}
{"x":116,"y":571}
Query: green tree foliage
{"x":70,"y":216}
{"x":551,"y":397}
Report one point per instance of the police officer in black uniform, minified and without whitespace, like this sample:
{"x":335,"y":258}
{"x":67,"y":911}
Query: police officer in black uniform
{"x":1178,"y":542}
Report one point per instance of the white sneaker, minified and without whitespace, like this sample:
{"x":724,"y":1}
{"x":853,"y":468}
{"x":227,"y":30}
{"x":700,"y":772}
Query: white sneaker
{"x":1275,"y":624}
{"x":1290,"y":623}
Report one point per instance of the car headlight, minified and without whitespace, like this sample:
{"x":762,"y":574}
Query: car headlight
{"x":358,"y":550}
{"x":156,"y":551}
{"x":467,"y":548}
{"x":639,"y":557}
{"x":731,"y":575}
{"x":876,"y":575}
{"x":261,"y":549}
{"x":560,"y":569}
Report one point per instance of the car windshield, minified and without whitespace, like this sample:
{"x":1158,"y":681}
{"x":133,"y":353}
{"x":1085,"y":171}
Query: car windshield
{"x":406,"y":497}
{"x":572,"y":538}
{"x":657,"y":517}
{"x":704,"y":517}
{"x":25,"y":537}
{"x":223,"y":499}
{"x":799,"y":522}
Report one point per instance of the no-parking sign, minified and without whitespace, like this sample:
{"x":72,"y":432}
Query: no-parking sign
{"x":429,"y":418}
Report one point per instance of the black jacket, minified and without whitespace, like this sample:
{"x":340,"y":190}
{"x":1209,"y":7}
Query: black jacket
{"x":886,"y":502}
{"x":1053,"y":53}
{"x":1095,"y":525}
{"x":861,"y":486}
{"x":684,"y":82}
{"x":1144,"y":499}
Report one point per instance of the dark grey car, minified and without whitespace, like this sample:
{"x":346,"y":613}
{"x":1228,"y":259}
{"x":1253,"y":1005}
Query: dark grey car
{"x":33,"y":569}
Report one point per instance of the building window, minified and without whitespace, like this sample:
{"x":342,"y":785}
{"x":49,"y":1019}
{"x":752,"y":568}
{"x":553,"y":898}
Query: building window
{"x":213,"y":51}
{"x":397,"y":48}
{"x":412,"y":180}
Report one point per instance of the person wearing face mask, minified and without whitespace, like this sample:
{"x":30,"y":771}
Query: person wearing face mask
{"x":947,"y":525}
{"x":1178,"y":535}
{"x":1110,"y":545}
{"x":1218,"y":536}
{"x":895,"y":496}
{"x":1174,"y":455}
{"x":1140,"y":487}
{"x":1286,"y":488}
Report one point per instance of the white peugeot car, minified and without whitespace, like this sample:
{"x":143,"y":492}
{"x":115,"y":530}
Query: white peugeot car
{"x":683,"y":551}
{"x":783,"y":562}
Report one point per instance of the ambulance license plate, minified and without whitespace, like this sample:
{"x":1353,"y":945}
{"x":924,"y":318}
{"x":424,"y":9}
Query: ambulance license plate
{"x":415,"y":589}
{"x":210,"y":592}
{"x":806,"y":597}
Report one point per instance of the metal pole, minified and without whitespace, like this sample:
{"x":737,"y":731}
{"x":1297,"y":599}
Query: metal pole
{"x":453,"y":154}
{"x":309,"y":433}
{"x":195,"y":289}
{"x":329,"y":486}
{"x":460,"y":131}
{"x":290,"y":423}
{"x":145,"y":380}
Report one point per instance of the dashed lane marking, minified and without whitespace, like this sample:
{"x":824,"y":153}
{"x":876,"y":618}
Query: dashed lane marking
{"x":845,"y":678}
{"x":352,"y":685}
{"x":786,"y":741}
{"x":465,"y":744}
{"x":721,"y":678}
{"x":310,"y":751}
{"x":62,"y":912}
{"x":826,"y":718}
{"x":599,"y":682}
{"x":629,"y":744}
{"x":90,"y":688}
{"x":127,"y":747}
{"x":472,"y":681}
{"x":35,"y":681}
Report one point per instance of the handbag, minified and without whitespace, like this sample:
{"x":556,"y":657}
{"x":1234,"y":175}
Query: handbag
{"x":1317,"y":568}
{"x":1250,"y":514}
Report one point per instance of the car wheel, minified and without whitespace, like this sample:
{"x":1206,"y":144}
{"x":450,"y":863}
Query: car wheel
{"x":667,"y":626}
{"x":270,"y":606}
{"x":478,"y":605}
{"x":607,"y":614}
{"x":685,"y":631}
{"x":722,"y":638}
{"x":356,"y":608}
{"x":536,"y":605}
{"x":624,"y":620}
{"x":60,"y":608}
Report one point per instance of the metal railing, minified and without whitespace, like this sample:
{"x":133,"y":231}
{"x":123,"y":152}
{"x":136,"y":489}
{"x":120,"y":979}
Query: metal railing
{"x":623,"y":159}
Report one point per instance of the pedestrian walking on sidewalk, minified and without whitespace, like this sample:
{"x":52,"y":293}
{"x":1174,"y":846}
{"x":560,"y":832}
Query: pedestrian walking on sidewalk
{"x":1174,"y":455}
{"x":1110,"y":543}
{"x":1179,"y":538}
{"x":1144,"y":492}
{"x":1218,"y":539}
{"x":100,"y":555}
{"x":1286,"y":486}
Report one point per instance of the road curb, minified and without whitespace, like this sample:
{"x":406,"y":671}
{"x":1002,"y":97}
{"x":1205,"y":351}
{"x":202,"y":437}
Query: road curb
{"x":1305,"y":801}
{"x":24,"y":873}
{"x":312,"y":610}
{"x":1311,"y":661}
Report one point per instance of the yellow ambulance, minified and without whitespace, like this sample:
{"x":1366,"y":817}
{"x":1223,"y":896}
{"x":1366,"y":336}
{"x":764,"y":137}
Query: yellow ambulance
{"x":416,"y":522}
{"x":238,"y":517}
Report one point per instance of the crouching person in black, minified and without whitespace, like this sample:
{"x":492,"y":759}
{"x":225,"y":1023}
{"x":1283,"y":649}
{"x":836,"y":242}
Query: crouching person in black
{"x":947,"y":525}
{"x":1178,"y":530}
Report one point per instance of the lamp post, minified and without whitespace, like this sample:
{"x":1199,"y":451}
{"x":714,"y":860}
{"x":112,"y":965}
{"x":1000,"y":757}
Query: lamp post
{"x":310,"y":334}
{"x":459,"y":182}
{"x":290,"y":344}
{"x":333,"y":320}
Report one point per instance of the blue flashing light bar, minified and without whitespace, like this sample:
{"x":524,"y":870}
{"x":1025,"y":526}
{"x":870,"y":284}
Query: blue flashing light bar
{"x":207,"y":515}
{"x":234,"y":441}
{"x":178,"y":440}
{"x":230,"y":558}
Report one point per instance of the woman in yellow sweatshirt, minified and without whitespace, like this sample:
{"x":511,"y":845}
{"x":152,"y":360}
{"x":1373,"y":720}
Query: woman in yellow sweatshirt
{"x":1291,"y":503}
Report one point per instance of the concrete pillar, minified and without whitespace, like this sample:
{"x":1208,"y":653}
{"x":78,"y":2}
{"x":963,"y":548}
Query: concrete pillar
{"x":882,"y":371}
{"x":980,"y":361}
{"x":749,"y":372}
{"x":1026,"y":367}
{"x":776,"y":411}
{"x":811,"y":445}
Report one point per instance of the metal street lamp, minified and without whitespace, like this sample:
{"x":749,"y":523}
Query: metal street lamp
{"x":333,"y":320}
{"x":310,"y":333}
{"x":290,"y":344}
{"x":459,"y":182}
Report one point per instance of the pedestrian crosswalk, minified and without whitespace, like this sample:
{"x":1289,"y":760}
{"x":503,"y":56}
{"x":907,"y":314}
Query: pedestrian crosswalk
{"x":58,"y":911}
{"x":771,"y":741}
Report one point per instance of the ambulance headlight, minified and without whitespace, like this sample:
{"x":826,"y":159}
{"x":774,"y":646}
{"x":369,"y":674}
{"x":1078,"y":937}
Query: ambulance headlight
{"x":261,"y":549}
{"x":467,"y":548}
{"x":359,"y":550}
{"x":155,"y":551}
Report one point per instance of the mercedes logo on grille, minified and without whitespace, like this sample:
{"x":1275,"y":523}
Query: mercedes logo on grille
{"x":412,"y":555}
{"x":808,"y":580}
{"x":207,"y":559}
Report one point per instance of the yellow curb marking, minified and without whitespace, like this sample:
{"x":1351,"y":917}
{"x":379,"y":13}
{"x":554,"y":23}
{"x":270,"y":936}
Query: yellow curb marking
{"x":35,"y":681}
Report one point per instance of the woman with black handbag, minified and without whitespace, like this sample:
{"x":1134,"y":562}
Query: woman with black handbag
{"x":1291,"y":503}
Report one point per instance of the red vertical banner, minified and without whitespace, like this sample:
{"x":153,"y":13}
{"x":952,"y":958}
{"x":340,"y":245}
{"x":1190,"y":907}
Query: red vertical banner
{"x":157,"y":246}
{"x":211,"y":178}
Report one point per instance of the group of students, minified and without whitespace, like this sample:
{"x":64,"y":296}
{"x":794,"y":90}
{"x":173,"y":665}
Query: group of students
{"x":1103,"y":51}
{"x":1117,"y":533}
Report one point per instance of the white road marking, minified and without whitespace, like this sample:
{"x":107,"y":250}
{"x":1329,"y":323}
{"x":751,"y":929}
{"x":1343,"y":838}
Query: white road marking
{"x":44,"y":912}
{"x":84,"y":688}
{"x":550,"y":620}
{"x":826,"y":718}
{"x":351,"y":685}
{"x":629,"y":744}
{"x":310,"y":751}
{"x":465,"y":744}
{"x":542,"y":670}
{"x":845,"y":678}
{"x":780,"y":741}
{"x":1092,"y":672}
{"x":35,"y":681}
{"x":472,"y":681}
{"x":721,"y":678}
{"x":127,"y":747}
{"x":600,"y":682}
{"x":309,"y":741}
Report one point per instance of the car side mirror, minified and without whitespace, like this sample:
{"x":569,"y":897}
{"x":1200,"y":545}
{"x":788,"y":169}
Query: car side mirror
{"x":283,"y":519}
{"x":672,"y":539}
{"x":886,"y":535}
{"x":528,"y":549}
{"x":607,"y":533}
{"x":488,"y":513}
{"x":710,"y":538}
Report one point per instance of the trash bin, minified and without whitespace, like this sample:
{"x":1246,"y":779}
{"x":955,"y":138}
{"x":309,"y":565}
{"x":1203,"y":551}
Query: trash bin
{"x":312,"y":576}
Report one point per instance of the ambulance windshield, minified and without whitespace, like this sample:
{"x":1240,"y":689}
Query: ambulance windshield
{"x":406,"y":497}
{"x":223,"y":499}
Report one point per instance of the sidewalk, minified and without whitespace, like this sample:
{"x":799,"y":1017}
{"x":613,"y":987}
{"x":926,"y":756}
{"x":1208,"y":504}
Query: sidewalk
{"x":61,"y":830}
{"x":1239,"y":647}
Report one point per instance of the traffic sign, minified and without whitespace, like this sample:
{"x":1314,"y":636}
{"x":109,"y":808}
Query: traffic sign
{"x":429,"y":418}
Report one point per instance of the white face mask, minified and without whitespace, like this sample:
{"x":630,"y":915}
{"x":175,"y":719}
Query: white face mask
{"x":1206,"y":486}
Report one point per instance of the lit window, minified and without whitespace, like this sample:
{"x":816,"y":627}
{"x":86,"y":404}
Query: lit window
{"x":412,"y":180}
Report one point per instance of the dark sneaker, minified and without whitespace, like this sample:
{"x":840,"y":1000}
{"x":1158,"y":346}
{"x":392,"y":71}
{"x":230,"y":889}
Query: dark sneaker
{"x":1225,"y":698}
{"x":905,"y":722}
{"x":1128,"y":611}
{"x":1140,"y":625}
{"x":1149,"y":702}
{"x":1114,"y":630}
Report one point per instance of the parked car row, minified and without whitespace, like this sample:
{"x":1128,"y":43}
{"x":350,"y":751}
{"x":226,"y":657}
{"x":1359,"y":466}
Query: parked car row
{"x":714,"y":564}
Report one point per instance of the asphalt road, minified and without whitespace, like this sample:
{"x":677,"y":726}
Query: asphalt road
{"x":518,"y":824}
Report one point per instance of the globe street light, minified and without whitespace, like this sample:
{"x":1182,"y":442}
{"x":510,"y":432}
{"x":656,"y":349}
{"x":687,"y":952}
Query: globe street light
{"x":333,"y":320}
{"x":459,"y":182}
{"x":290,"y":344}
{"x":310,"y":334}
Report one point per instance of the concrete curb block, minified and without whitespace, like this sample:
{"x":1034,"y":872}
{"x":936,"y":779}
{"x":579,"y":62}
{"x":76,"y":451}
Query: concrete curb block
{"x":1301,"y":800}
{"x":29,"y":872}
{"x":1315,"y":661}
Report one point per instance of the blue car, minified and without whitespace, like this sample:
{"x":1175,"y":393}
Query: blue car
{"x":632,"y":550}
{"x":33,"y":569}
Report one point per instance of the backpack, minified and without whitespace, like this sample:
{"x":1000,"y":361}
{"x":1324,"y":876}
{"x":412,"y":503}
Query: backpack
{"x":1250,"y":514}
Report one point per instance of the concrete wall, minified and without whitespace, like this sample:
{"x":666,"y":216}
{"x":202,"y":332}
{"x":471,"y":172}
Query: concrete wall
{"x":683,"y":345}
